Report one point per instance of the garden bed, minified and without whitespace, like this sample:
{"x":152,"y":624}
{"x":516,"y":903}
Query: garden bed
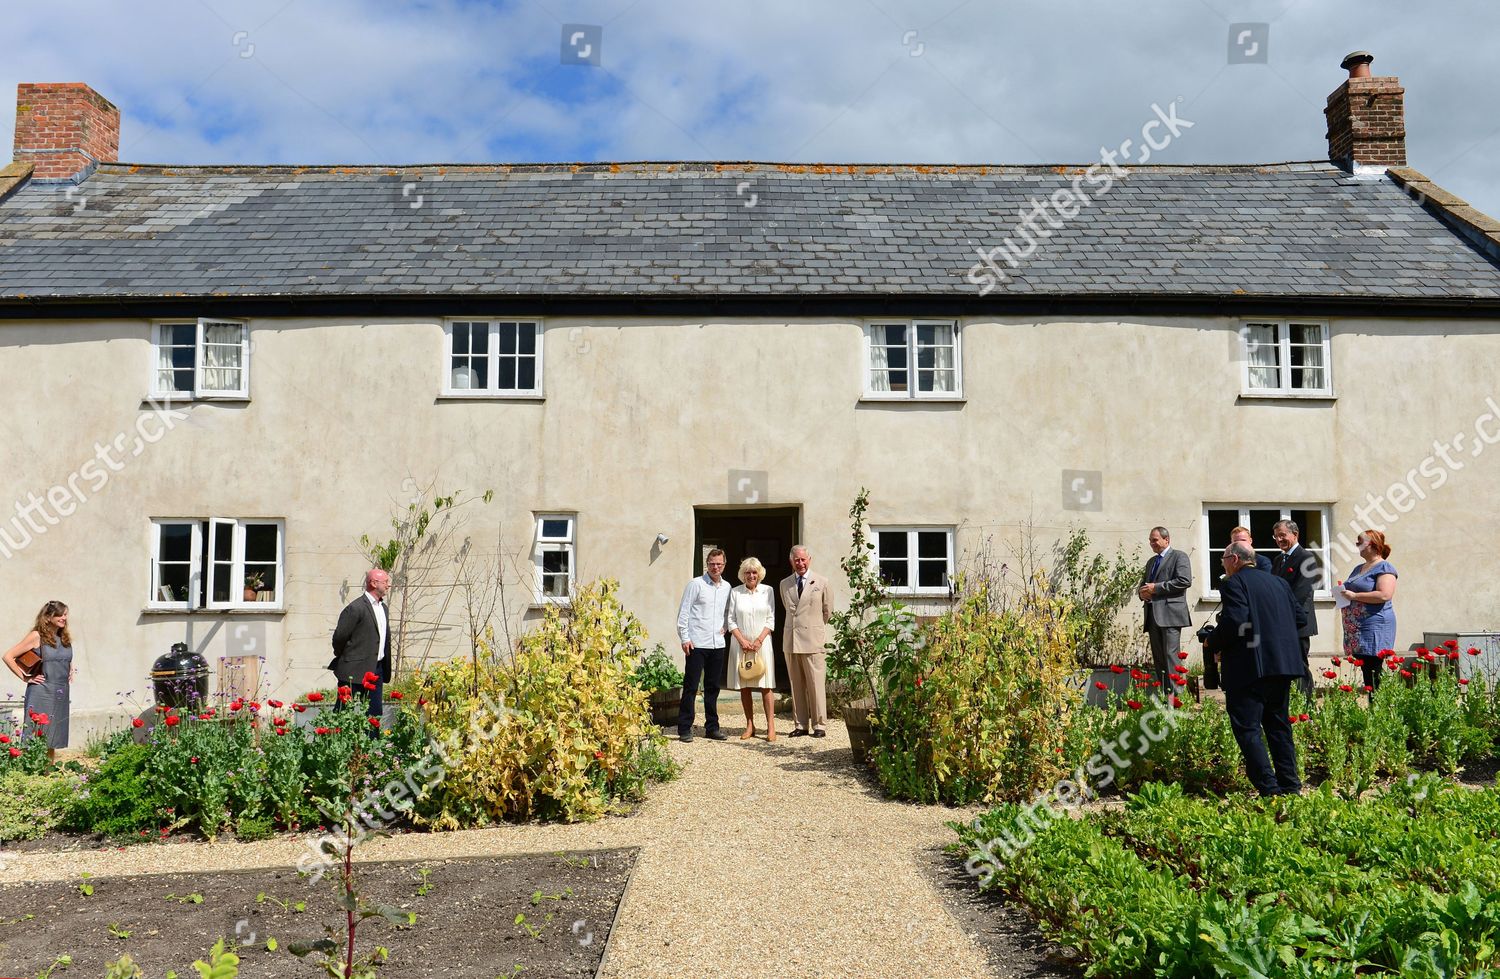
{"x":466,"y":923}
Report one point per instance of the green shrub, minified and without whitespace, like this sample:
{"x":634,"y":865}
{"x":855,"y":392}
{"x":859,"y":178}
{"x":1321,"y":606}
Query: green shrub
{"x":33,"y":805}
{"x":979,"y":711}
{"x":657,"y":672}
{"x":571,"y":729}
{"x":119,"y":798}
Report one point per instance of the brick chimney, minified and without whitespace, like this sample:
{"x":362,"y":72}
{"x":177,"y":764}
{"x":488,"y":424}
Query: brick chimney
{"x":1366,"y":118}
{"x":64,"y":129}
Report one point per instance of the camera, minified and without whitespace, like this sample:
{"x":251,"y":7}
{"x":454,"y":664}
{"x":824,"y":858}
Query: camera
{"x":1204,"y":633}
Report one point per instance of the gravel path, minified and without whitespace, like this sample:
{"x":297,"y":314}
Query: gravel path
{"x":761,"y":860}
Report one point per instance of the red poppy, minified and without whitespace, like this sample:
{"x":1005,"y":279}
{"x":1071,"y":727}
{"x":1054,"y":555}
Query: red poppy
{"x":397,"y":695}
{"x":1407,"y":674}
{"x":1394,"y":665}
{"x":1302,"y":717}
{"x":193,"y":760}
{"x":1421,"y":649}
{"x":598,"y":755}
{"x":1176,"y":701}
{"x":1140,"y":683}
{"x":919,"y":681}
{"x":344,"y":694}
{"x":1337,"y":661}
{"x":279,"y":722}
{"x":15,"y":752}
{"x":314,"y":697}
{"x":1369,"y":689}
{"x":421,"y":701}
{"x":205,"y":717}
{"x":1133,"y":704}
{"x":368,"y":685}
{"x":281,"y":730}
{"x":40,"y":718}
{"x":374,"y":722}
{"x":236,"y":704}
{"x":173,"y":720}
{"x":138,"y":722}
{"x":4,"y":739}
{"x":1156,"y":683}
{"x":1346,"y":688}
{"x":1291,"y":718}
{"x":1179,"y":668}
{"x":1330,"y":674}
{"x":1473,"y":651}
{"x":1116,"y":668}
{"x":1100,"y":685}
{"x":320,"y":730}
{"x":1453,"y":654}
{"x":300,"y":708}
{"x":1181,"y":654}
{"x":1463,"y":681}
{"x":275,"y":703}
{"x":1179,"y":681}
{"x":1387,"y":652}
{"x":254,"y":705}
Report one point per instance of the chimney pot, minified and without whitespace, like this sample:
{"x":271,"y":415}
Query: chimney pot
{"x":64,"y":129}
{"x":1357,"y":64}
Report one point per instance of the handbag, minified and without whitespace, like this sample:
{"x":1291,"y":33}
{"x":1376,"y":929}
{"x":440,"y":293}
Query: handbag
{"x":1210,"y":664}
{"x":30,"y":662}
{"x":750,"y":666}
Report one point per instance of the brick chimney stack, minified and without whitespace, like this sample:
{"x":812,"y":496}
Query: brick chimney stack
{"x":64,"y":129}
{"x":1366,"y":118}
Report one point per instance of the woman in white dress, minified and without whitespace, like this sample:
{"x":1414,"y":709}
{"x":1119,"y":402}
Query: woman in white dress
{"x":750,"y":620}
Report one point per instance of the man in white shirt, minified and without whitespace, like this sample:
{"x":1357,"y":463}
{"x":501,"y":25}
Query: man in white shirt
{"x":362,"y":643}
{"x":700,"y":629}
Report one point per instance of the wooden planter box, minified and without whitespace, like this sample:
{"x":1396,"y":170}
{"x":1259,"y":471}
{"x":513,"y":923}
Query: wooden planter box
{"x":859,"y":718}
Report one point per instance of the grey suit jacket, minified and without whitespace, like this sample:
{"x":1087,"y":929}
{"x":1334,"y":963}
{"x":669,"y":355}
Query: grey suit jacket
{"x":1173,"y":579}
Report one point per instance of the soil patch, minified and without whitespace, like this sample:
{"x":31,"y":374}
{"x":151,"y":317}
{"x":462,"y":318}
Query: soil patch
{"x":1012,"y":943}
{"x":466,"y":922}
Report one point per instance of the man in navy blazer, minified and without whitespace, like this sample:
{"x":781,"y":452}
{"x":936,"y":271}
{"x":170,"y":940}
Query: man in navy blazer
{"x":1301,"y":569}
{"x":1259,"y":657}
{"x":362,"y":642}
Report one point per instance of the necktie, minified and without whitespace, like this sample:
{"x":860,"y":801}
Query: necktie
{"x":1155,"y":565}
{"x":799,"y":586}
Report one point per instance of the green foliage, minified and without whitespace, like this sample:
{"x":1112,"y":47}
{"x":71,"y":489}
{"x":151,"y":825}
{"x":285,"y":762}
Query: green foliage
{"x":657,"y":672}
{"x":1406,"y":883}
{"x":572,"y":735}
{"x":119,"y":798}
{"x":979,"y":710}
{"x":28,"y":755}
{"x":873,"y":637}
{"x":33,"y":805}
{"x":1094,"y":590}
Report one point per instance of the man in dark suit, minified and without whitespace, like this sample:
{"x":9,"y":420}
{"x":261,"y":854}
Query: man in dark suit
{"x":1241,"y":535}
{"x":1256,"y":642}
{"x":1301,"y":569}
{"x":362,"y":643}
{"x":1163,"y":592}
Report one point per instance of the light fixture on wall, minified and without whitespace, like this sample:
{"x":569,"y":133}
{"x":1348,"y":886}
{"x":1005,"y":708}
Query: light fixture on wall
{"x":661,"y":540}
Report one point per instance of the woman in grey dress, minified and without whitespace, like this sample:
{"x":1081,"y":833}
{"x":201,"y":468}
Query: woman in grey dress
{"x":47,"y":689}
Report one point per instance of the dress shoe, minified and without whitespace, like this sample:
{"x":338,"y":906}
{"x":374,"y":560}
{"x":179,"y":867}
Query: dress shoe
{"x":820,"y":734}
{"x":717,"y":736}
{"x":797,"y":732}
{"x":685,"y":738}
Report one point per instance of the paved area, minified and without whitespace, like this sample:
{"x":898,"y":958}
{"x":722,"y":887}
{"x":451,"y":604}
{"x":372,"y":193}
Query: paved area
{"x":761,"y":860}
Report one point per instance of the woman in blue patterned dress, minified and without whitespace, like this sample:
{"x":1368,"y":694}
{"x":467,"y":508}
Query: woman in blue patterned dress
{"x":1370,"y":616}
{"x":48,"y":688}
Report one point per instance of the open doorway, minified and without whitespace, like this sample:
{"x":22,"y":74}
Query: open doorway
{"x":767,"y":533}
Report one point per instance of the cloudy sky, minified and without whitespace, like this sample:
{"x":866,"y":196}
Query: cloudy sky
{"x":982,"y":81}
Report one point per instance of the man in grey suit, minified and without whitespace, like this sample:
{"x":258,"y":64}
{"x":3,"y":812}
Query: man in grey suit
{"x":362,"y":643}
{"x":1163,"y":592}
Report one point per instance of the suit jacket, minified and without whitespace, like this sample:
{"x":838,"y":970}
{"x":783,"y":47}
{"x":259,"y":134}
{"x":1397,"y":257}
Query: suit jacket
{"x":1301,"y":569}
{"x":1173,"y":579}
{"x":1257,"y":631}
{"x":1263,"y":563}
{"x":356,"y":641}
{"x":804,"y":630}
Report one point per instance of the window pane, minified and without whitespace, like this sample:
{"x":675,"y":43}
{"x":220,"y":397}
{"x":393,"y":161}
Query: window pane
{"x":895,"y":574}
{"x":172,"y":582}
{"x":528,"y":338}
{"x":932,"y":574}
{"x":555,"y":529}
{"x":1263,"y":351}
{"x":507,"y":337}
{"x":175,"y":542}
{"x":505,"y":374}
{"x":526,"y":374}
{"x":1309,"y":528}
{"x":932,"y":544}
{"x":1268,"y":378}
{"x":1261,"y":522}
{"x":223,"y":542}
{"x":1307,"y":333}
{"x":1220,"y":523}
{"x":260,"y":543}
{"x":892,"y":544}
{"x":1216,"y":567}
{"x":223,"y":356}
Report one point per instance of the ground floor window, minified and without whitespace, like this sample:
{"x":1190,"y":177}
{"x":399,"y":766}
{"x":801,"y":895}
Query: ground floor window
{"x":216,"y":563}
{"x":1219,"y":519}
{"x":554,"y":556}
{"x":914,"y":560}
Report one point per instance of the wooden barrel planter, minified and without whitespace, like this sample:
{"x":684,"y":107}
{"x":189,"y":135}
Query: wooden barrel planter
{"x":665,"y":705}
{"x":859,"y":719}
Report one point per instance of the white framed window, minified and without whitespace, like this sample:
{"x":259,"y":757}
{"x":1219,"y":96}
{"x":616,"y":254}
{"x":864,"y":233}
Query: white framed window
{"x":217,"y":563}
{"x":907,"y":359}
{"x":555,"y":556}
{"x":914,"y":560}
{"x":202,"y":359}
{"x":1313,"y":522}
{"x":492,"y":358}
{"x":1287,"y":358}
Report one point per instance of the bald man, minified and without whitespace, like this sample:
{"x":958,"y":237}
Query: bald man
{"x":362,"y":643}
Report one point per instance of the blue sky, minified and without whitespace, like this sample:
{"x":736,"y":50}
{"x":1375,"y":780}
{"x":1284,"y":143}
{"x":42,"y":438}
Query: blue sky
{"x":1018,"y":81}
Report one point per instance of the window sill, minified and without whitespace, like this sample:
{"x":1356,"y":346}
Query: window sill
{"x":885,"y":399}
{"x":188,"y":399}
{"x":914,"y":593}
{"x":550,"y":603}
{"x":267,"y":609}
{"x":491,"y":396}
{"x":1288,"y":396}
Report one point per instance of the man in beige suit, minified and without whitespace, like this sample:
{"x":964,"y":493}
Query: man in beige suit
{"x":807,"y":598}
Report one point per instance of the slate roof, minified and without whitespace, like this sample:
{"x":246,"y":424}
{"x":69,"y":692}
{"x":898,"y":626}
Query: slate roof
{"x":1286,"y":230}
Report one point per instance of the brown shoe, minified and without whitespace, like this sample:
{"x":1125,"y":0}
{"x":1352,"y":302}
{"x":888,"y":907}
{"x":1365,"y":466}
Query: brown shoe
{"x":749,"y":733}
{"x":771,"y":734}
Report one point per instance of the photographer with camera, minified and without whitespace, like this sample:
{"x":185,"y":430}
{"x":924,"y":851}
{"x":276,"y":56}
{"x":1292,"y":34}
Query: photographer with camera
{"x":1259,"y":657}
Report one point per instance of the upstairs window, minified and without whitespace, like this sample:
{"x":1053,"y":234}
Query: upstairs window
{"x":1286,"y":357}
{"x":912,"y":359}
{"x":209,"y":358}
{"x":496,"y":358}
